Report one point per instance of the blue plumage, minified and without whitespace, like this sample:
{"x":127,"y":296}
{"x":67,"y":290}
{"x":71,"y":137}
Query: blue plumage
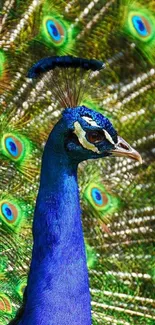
{"x":67,"y":61}
{"x":58,"y":287}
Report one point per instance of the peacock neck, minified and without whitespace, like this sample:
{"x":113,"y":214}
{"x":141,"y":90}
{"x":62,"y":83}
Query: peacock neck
{"x":58,"y":287}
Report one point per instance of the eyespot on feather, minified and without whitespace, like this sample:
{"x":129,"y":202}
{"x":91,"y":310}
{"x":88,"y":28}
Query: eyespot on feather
{"x":55,"y":31}
{"x":141,"y":25}
{"x":5,"y":304}
{"x":16,"y":147}
{"x":13,"y":146}
{"x":138,"y":26}
{"x":12,"y":212}
{"x":100,"y":199}
{"x":9,"y":211}
{"x":21,"y":287}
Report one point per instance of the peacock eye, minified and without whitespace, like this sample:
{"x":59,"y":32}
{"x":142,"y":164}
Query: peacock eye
{"x":95,"y":136}
{"x":8,"y":211}
{"x":13,"y":146}
{"x":53,"y":30}
{"x":56,"y":31}
{"x":141,"y":25}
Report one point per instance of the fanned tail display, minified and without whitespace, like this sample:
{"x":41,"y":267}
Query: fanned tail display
{"x":98,"y":54}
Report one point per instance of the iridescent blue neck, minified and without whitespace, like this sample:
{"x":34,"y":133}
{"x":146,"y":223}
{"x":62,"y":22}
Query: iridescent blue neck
{"x":58,"y":288}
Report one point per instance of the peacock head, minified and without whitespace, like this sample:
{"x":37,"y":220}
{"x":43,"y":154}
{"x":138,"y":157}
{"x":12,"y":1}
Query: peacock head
{"x":82,"y":133}
{"x":90,"y":135}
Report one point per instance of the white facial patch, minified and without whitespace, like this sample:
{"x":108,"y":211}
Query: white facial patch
{"x":81,"y":134}
{"x":108,"y":137}
{"x":90,"y":121}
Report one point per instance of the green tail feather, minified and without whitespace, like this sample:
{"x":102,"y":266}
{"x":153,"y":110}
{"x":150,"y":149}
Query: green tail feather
{"x":119,"y":231}
{"x":138,"y":24}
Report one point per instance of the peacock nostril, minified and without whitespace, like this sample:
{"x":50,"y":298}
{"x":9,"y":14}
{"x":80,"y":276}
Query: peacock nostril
{"x":123,"y":145}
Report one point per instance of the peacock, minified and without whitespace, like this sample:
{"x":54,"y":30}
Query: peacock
{"x":58,"y":271}
{"x":82,"y":69}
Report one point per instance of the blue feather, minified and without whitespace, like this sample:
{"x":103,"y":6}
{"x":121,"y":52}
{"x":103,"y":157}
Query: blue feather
{"x":58,"y":285}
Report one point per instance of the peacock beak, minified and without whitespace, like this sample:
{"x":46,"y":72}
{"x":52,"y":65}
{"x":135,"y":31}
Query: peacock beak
{"x":122,"y":148}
